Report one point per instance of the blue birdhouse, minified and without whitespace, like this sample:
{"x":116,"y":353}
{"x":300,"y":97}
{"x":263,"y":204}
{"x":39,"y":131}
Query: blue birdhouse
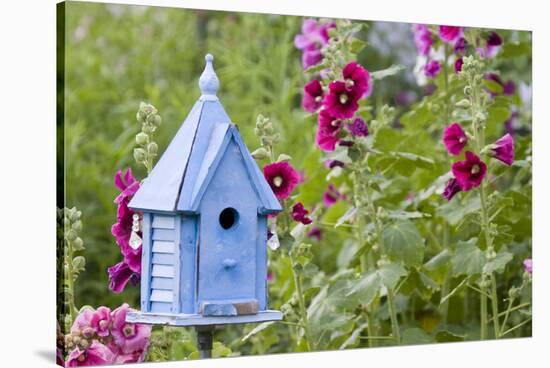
{"x":204,"y":224}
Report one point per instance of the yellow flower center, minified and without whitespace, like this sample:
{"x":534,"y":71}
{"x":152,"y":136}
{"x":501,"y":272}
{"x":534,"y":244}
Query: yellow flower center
{"x":277,"y":181}
{"x":343,"y":98}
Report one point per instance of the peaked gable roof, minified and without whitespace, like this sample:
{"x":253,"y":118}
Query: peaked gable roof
{"x":181,"y":175}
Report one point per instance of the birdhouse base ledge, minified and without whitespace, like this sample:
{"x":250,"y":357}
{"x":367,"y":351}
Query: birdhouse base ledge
{"x":200,"y":320}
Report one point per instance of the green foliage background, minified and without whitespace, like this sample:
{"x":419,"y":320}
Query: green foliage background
{"x":117,"y":56}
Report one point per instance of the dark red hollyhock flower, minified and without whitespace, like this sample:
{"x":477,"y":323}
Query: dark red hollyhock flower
{"x":357,"y":78}
{"x":299,"y":214}
{"x":313,"y":96}
{"x":282,"y":178}
{"x":330,"y":164}
{"x":432,"y":69}
{"x":345,"y":143}
{"x":332,"y":195}
{"x":454,"y":139}
{"x":358,"y":128}
{"x":341,"y":102}
{"x":494,"y":39}
{"x":458,"y":65}
{"x":315,"y":233}
{"x":503,"y":149}
{"x":328,"y":128}
{"x":451,"y":189}
{"x":460,"y":46}
{"x":470,"y":172}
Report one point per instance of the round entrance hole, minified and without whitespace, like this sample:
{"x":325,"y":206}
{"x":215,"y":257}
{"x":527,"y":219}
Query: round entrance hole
{"x":228,"y":217}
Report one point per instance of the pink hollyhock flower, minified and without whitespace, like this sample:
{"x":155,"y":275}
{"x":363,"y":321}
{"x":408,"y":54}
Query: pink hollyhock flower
{"x":422,"y":39}
{"x":451,"y":189}
{"x":358,"y":128}
{"x":460,"y":46}
{"x":299,"y":214}
{"x":311,"y":57}
{"x":332,"y":195}
{"x":313,"y":37}
{"x":270,"y":276}
{"x":528,"y":265}
{"x":96,"y":354}
{"x":492,"y":46}
{"x":313,"y":96}
{"x":59,"y":358}
{"x":454,"y":139}
{"x":357,"y":79}
{"x":119,"y":275}
{"x":470,"y":172}
{"x":503,"y":149}
{"x":449,"y":34}
{"x":282,"y":178}
{"x":341,"y":102}
{"x":328,"y":129}
{"x":83,"y":323}
{"x":432,"y":68}
{"x":315,"y":233}
{"x":101,"y":320}
{"x":129,"y":337}
{"x":458,"y":65}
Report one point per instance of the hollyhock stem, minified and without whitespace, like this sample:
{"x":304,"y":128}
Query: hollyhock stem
{"x":483,"y":313}
{"x":446,"y":78}
{"x":393,"y":317}
{"x":302,"y":305}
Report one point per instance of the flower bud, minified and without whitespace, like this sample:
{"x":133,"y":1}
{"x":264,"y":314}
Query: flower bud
{"x":152,"y":148}
{"x":142,"y":138}
{"x":157,"y":121}
{"x":140,"y":155}
{"x":78,"y":244}
{"x":71,"y":235}
{"x":260,"y":154}
{"x":465,"y":103}
{"x":141,"y":116}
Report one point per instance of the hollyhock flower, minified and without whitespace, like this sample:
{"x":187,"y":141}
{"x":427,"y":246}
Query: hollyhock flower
{"x":422,"y":39}
{"x":330,"y":164}
{"x":451,"y":189}
{"x":528,"y":265}
{"x":315,"y":233}
{"x":454,"y":139}
{"x":137,"y":357}
{"x":96,"y":354}
{"x":122,"y":229}
{"x":332,"y":195}
{"x":83,"y":323}
{"x":492,"y":46}
{"x":470,"y":172}
{"x":404,"y":98}
{"x":460,"y":46}
{"x":313,"y":37}
{"x":328,"y":128}
{"x":299,"y":214}
{"x":432,"y":68}
{"x":449,"y":34}
{"x":357,"y":79}
{"x":346,"y":143}
{"x":313,"y":96}
{"x":282,"y":178}
{"x":503,"y":149}
{"x":101,"y":320}
{"x":358,"y":128}
{"x":119,"y":275}
{"x":511,"y":124}
{"x":508,"y":88}
{"x":129,"y":337}
{"x":311,"y":57}
{"x":59,"y":358}
{"x":341,"y":102}
{"x":458,"y":65}
{"x":270,"y":276}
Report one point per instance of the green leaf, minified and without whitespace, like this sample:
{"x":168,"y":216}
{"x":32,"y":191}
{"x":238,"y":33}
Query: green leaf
{"x":404,"y":215}
{"x":493,"y":86}
{"x":448,"y":336}
{"x":415,"y":336}
{"x":403,"y":243}
{"x":392,"y":70}
{"x":468,"y":259}
{"x":365,"y":289}
{"x":510,"y":50}
{"x":498,"y":264}
{"x":356,"y":45}
{"x":349,"y":215}
{"x":455,"y":210}
{"x":257,"y":329}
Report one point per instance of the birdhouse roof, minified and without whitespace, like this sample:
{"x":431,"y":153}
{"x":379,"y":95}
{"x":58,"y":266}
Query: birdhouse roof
{"x":180,"y":177}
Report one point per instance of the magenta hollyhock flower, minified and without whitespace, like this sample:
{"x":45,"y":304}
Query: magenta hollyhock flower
{"x":315,"y":233}
{"x":503,"y":149}
{"x":129,"y":337}
{"x":492,"y":46}
{"x":332,"y":195}
{"x":59,"y":358}
{"x":358,"y":128}
{"x":101,"y":320}
{"x":460,"y":46}
{"x":454,"y":139}
{"x":432,"y":68}
{"x":83,"y":323}
{"x":470,"y":172}
{"x":357,"y":79}
{"x":313,"y":37}
{"x":96,"y":354}
{"x":422,"y":39}
{"x":449,"y":34}
{"x":120,"y":274}
{"x":528,"y":265}
{"x":451,"y":189}
{"x":282,"y":178}
{"x":328,"y":129}
{"x":299,"y":214}
{"x":313,"y":96}
{"x":341,"y":102}
{"x":458,"y":65}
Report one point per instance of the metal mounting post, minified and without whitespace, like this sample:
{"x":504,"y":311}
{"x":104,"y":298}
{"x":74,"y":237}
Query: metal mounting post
{"x":204,"y":340}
